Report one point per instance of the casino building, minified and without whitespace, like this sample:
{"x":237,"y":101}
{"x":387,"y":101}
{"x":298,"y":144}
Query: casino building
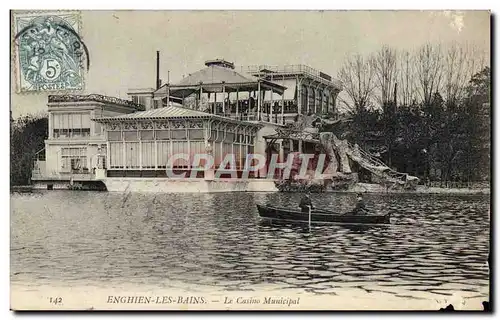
{"x":219,"y":109}
{"x":141,"y":144}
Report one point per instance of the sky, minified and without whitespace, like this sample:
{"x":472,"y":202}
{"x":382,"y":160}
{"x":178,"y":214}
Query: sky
{"x":123,"y":44}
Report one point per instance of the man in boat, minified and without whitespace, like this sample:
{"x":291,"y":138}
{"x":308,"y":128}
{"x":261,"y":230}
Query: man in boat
{"x":305,"y":203}
{"x":360,"y":205}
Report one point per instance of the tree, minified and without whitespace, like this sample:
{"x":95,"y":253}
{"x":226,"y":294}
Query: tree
{"x":477,"y":111}
{"x":384,"y":64}
{"x":28,"y":136}
{"x":460,"y":64}
{"x":406,"y":79}
{"x":356,"y":75}
{"x":428,"y":72}
{"x":439,"y":125}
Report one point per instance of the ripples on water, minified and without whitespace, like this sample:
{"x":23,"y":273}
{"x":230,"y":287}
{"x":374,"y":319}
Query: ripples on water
{"x":436,"y":244}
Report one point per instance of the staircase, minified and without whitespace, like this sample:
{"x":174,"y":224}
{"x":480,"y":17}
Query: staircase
{"x":377,"y":167}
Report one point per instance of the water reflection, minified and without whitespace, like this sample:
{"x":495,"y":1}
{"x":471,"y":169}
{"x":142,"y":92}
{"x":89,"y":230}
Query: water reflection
{"x":301,"y":226}
{"x":435,"y":244}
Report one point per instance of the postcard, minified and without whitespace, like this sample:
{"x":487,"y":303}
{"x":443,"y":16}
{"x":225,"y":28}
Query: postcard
{"x":250,"y":160}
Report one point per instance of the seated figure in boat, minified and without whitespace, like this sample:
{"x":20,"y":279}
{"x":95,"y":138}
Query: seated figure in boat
{"x":305,"y":203}
{"x":360,"y":205}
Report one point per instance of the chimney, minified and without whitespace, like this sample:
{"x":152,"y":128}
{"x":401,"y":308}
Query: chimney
{"x":158,"y":80}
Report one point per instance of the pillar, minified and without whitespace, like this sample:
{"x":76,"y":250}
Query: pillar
{"x":223,"y":99}
{"x":308,"y":100}
{"x":315,"y":108}
{"x":200,"y":95}
{"x":328,"y":105}
{"x":327,"y":100}
{"x":283,"y":108}
{"x":271,"y":107}
{"x":140,"y":153}
{"x":215,"y":103}
{"x":51,"y":125}
{"x":92,"y":123}
{"x":258,"y":101}
{"x":108,"y":159}
{"x":322,"y":101}
{"x":124,"y":154}
{"x":237,"y":102}
{"x":248,"y":102}
{"x":282,"y":152}
{"x":332,"y":103}
{"x":317,"y":102}
{"x":155,"y":153}
{"x":298,"y":87}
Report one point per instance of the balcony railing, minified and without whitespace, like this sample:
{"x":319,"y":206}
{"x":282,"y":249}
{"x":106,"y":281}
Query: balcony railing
{"x":294,"y":68}
{"x":39,"y":173}
{"x":290,"y":107}
{"x":96,"y":98}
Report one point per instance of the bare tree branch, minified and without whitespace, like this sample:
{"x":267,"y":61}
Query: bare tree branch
{"x":406,"y":79}
{"x":429,"y":71}
{"x":460,"y":64}
{"x":384,"y":64}
{"x":356,"y":75}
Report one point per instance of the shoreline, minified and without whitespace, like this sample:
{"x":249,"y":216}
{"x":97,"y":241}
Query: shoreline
{"x":256,"y":185}
{"x":376,"y":188}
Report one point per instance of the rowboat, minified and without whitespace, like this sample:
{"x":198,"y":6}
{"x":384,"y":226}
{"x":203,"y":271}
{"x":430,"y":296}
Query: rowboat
{"x":320,"y":216}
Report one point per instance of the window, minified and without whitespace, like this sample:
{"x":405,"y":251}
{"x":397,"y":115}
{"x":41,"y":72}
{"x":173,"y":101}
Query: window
{"x":148,"y":154}
{"x":157,"y":104}
{"x":229,"y":137}
{"x":116,"y":154}
{"x":74,"y":160}
{"x":130,"y":136}
{"x":114,"y":136}
{"x":162,"y":135}
{"x":71,"y":125}
{"x":196,"y":134}
{"x":162,"y":153}
{"x":98,"y":128}
{"x":139,"y":99}
{"x":147,"y":135}
{"x":132,"y":154}
{"x":71,"y":133}
{"x":221,"y":136}
{"x":213,"y":135}
{"x":179,"y":134}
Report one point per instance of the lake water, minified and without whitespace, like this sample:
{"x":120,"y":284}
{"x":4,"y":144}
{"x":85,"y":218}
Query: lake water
{"x":434,"y":247}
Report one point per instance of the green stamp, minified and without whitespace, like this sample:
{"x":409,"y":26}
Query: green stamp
{"x":50,"y":54}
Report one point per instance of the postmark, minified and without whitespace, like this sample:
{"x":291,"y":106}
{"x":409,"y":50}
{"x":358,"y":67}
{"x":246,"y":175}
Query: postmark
{"x":50,"y":55}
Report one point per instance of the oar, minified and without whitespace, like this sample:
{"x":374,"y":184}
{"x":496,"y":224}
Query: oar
{"x":309,"y":217}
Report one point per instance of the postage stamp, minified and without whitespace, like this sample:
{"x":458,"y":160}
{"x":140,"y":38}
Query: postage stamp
{"x":49,"y":53}
{"x":340,"y":162}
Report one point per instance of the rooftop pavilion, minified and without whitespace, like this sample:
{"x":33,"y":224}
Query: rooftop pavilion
{"x":256,"y":93}
{"x":219,"y":89}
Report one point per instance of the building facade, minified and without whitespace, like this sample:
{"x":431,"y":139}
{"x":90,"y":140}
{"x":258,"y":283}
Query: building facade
{"x":215,"y":110}
{"x":74,"y":140}
{"x":309,"y":91}
{"x":264,"y":93}
{"x":143,"y":144}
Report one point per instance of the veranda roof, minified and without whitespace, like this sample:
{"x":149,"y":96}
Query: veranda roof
{"x":170,"y":112}
{"x":213,"y":78}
